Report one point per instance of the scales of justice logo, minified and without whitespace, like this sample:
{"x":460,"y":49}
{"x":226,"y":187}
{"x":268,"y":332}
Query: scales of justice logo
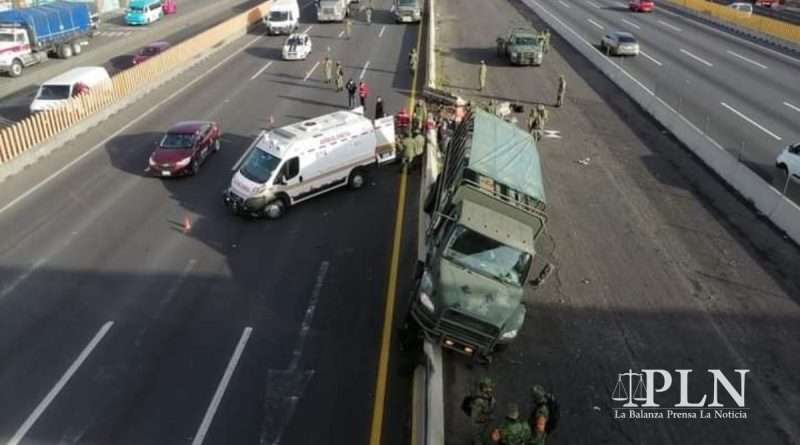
{"x":636,"y":394}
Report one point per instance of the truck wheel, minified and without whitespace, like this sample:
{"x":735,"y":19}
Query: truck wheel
{"x":275,"y":209}
{"x":16,"y":68}
{"x":357,"y":179}
{"x":76,"y":48}
{"x":65,"y":52}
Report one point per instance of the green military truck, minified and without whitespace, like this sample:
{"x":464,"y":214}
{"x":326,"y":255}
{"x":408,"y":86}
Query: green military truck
{"x":521,"y":46}
{"x":486,"y":210}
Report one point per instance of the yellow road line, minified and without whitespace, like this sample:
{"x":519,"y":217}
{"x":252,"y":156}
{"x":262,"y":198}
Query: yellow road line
{"x":376,"y":431}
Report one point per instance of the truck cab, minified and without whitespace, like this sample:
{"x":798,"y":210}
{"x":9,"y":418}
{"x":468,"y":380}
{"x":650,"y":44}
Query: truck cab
{"x":15,"y":52}
{"x":406,"y":11}
{"x":332,"y":10}
{"x":486,"y":212}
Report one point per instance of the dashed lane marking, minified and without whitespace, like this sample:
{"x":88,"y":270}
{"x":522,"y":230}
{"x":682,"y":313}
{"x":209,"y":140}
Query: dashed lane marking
{"x":751,"y":121}
{"x":599,"y":26}
{"x":650,"y":58}
{"x":748,"y":60}
{"x":697,"y":58}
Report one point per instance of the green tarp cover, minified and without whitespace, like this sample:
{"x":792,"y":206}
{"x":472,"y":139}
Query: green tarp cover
{"x":504,"y":152}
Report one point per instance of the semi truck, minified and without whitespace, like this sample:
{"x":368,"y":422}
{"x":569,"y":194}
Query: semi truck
{"x":27,"y":35}
{"x":486,"y":210}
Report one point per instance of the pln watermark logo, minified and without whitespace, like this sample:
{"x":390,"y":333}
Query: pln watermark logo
{"x":664,"y":394}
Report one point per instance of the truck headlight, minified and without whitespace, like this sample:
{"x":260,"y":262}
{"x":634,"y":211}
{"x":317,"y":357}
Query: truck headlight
{"x":509,"y":335}
{"x":425,"y":300}
{"x":514,"y":55}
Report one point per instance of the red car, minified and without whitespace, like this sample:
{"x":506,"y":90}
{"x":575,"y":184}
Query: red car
{"x":641,"y":5}
{"x":184,"y":147}
{"x":149,"y":51}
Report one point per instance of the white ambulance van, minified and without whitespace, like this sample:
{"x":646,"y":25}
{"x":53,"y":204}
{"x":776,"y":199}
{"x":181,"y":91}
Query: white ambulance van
{"x":297,"y":162}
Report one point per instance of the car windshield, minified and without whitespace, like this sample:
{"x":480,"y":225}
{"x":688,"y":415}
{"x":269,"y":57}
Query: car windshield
{"x":6,"y":37}
{"x":259,"y":166}
{"x":178,"y":140}
{"x":524,"y":41}
{"x":54,"y":92}
{"x":279,"y":16}
{"x":488,"y":257}
{"x":626,"y":39}
{"x":136,"y":9}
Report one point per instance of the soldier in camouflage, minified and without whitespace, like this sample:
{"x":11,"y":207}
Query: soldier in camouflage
{"x":513,"y":431}
{"x":481,"y":410}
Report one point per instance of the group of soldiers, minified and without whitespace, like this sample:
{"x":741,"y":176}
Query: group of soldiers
{"x":538,"y":116}
{"x":543,"y":39}
{"x":513,"y":429}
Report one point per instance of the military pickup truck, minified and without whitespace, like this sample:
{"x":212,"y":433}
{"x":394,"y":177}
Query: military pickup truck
{"x":521,"y":46}
{"x":486,"y":210}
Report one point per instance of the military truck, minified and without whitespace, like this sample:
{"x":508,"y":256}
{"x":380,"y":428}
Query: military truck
{"x":486,"y":210}
{"x":521,"y":46}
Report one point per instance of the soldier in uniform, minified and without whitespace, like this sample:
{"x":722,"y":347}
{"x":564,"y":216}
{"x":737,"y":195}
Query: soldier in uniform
{"x":482,"y":76}
{"x":544,"y":115}
{"x":419,"y":117}
{"x":513,"y":431}
{"x":543,"y":421}
{"x":532,"y":117}
{"x":409,"y":150}
{"x":328,"y":69}
{"x":481,"y":405}
{"x":547,"y":41}
{"x":348,"y":28}
{"x":413,"y":59}
{"x":369,"y":15}
{"x":562,"y":88}
{"x":540,"y":39}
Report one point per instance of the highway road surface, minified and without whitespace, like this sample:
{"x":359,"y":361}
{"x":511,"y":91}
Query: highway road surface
{"x":657,"y":264}
{"x":744,"y":94}
{"x":135,"y":310}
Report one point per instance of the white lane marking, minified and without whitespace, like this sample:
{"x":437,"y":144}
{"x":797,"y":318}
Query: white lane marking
{"x":311,"y":71}
{"x":595,"y":23}
{"x":17,"y":281}
{"x":380,"y":34}
{"x":756,"y":124}
{"x":670,"y":26}
{"x":594,"y":4}
{"x":133,"y":121}
{"x":297,"y":352}
{"x":48,"y":399}
{"x":632,"y":24}
{"x":363,"y":70}
{"x":308,"y":30}
{"x":760,"y":65}
{"x":735,"y":37}
{"x":223,"y":385}
{"x":263,"y":68}
{"x":793,"y":107}
{"x":649,"y":57}
{"x":341,"y":33}
{"x":565,"y":4}
{"x":697,"y":58}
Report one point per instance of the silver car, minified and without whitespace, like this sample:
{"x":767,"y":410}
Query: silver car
{"x":619,"y":44}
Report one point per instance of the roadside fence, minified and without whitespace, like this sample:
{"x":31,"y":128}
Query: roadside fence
{"x":777,"y":28}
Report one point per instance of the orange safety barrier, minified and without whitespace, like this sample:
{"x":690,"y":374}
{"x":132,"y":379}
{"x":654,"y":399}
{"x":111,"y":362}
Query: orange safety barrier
{"x":767,"y":25}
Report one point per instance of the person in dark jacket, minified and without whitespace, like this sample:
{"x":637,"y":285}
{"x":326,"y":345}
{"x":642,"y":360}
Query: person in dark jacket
{"x":351,"y":93}
{"x":378,"y":108}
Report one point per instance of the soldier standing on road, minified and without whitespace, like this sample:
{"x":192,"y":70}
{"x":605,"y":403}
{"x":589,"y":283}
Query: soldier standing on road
{"x":369,"y":15}
{"x":544,"y":115}
{"x":339,"y":77}
{"x":482,"y":76}
{"x":413,"y":59}
{"x":544,"y":414}
{"x":532,"y":117}
{"x":351,"y":93}
{"x":562,"y":88}
{"x":513,"y":431}
{"x":328,"y":69}
{"x":547,"y":41}
{"x":480,"y":407}
{"x":348,"y":28}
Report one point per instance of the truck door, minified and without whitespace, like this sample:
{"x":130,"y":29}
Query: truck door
{"x":385,"y":150}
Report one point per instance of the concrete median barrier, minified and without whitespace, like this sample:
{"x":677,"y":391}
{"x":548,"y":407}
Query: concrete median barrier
{"x":766,"y":199}
{"x":26,"y":141}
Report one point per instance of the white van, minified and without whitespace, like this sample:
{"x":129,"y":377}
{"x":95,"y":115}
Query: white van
{"x":58,"y":90}
{"x":283,"y":17}
{"x":332,"y":10}
{"x":297,"y":162}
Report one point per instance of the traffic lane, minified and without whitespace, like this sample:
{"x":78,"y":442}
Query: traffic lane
{"x":136,"y":212}
{"x":756,"y":141}
{"x":16,"y":105}
{"x":112,"y":46}
{"x":678,"y":251}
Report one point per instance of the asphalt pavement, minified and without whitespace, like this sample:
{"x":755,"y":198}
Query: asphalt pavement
{"x":743,"y":94}
{"x":137,"y":310}
{"x":113,"y":47}
{"x":657,"y":263}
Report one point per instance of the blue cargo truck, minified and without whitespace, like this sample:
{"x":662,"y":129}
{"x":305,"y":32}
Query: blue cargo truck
{"x":29,"y":35}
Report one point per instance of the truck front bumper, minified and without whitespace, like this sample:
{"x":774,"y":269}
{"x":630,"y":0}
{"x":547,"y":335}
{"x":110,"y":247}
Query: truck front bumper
{"x":470,"y":344}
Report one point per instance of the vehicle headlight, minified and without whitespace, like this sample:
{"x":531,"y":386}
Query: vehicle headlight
{"x":152,"y":162}
{"x":425,"y":300}
{"x":183,"y":162}
{"x":425,"y":291}
{"x":509,"y":335}
{"x":514,"y":54}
